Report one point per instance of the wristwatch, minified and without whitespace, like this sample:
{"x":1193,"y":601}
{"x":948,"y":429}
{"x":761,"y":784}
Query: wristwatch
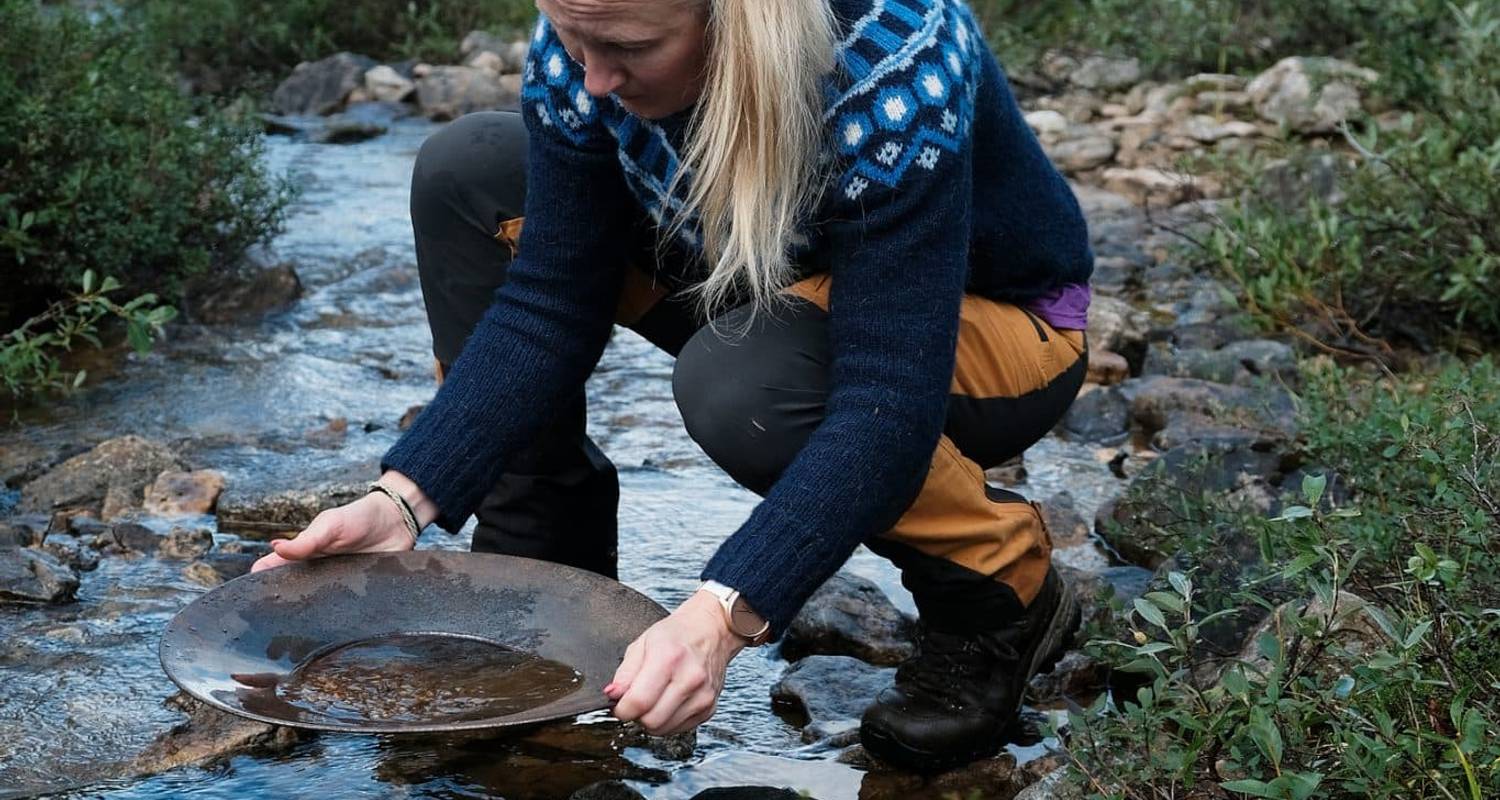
{"x":738,"y":615}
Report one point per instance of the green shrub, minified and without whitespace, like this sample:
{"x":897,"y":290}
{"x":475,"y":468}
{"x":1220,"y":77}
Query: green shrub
{"x":229,"y":45}
{"x":104,"y":166}
{"x":1396,"y":698}
{"x":1411,"y":253}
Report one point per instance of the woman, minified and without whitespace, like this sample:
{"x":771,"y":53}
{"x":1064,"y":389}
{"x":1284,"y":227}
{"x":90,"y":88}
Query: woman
{"x":905,"y":275}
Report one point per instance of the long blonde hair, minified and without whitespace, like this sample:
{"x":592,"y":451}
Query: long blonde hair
{"x":754,"y":142}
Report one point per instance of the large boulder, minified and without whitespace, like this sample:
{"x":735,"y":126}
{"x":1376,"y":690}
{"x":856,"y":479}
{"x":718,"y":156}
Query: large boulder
{"x":1106,"y":74}
{"x":105,"y":481}
{"x":1117,"y":326}
{"x":445,"y":93}
{"x":268,"y":515}
{"x":850,"y":616}
{"x":22,"y":532}
{"x":1082,"y":152}
{"x":208,"y":734}
{"x":1310,"y":94}
{"x":831,"y":692}
{"x":29,"y":575}
{"x":321,"y":87}
{"x":510,"y":56}
{"x":1156,"y":401}
{"x":384,"y":84}
{"x":1099,"y":415}
{"x":1238,"y":362}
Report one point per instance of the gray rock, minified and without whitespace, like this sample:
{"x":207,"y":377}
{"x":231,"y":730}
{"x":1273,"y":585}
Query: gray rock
{"x":1310,"y":94}
{"x":269,"y":515}
{"x":1154,"y":186}
{"x":195,"y":492}
{"x":321,"y":87}
{"x":130,"y":537}
{"x":69,"y":550}
{"x":1081,"y":154}
{"x":186,"y":543}
{"x":216,"y":568}
{"x":1066,"y":526}
{"x":1101,"y":415}
{"x":243,"y":297}
{"x":208,"y":735}
{"x":1291,"y":183}
{"x":384,"y":84}
{"x":345,"y":130}
{"x":832,"y":692}
{"x":28,"y":575}
{"x":1237,"y":362}
{"x":511,"y":54}
{"x":849,"y":615}
{"x":445,"y":93}
{"x":1106,"y":74}
{"x":22,"y":532}
{"x":1155,"y":400}
{"x":747,"y":793}
{"x":1077,"y":675}
{"x":107,"y":480}
{"x":1116,"y":325}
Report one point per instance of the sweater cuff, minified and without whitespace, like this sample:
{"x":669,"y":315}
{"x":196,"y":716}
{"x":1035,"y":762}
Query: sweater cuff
{"x":769,"y":565}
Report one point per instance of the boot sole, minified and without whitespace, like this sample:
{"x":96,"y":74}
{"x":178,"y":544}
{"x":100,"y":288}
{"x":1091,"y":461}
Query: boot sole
{"x":1050,"y":649}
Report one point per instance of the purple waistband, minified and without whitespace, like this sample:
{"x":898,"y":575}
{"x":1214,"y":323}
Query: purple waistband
{"x":1064,"y":308}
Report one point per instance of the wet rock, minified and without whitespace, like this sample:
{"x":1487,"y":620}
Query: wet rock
{"x":195,"y":492}
{"x":1117,"y":326}
{"x":256,"y":549}
{"x":1106,"y":74}
{"x":1053,"y":786}
{"x":243,"y":297}
{"x":321,"y":87}
{"x":1067,"y":527}
{"x":1099,"y":415}
{"x":445,"y":93}
{"x":1348,"y":623}
{"x":207,"y":735}
{"x":186,"y":543}
{"x":130,"y":537}
{"x":23,"y":461}
{"x":1154,"y":186}
{"x":29,"y":575}
{"x":832,"y":692}
{"x":1077,"y":676}
{"x":341,"y":129}
{"x":216,"y":568}
{"x":22,"y":532}
{"x":1309,"y":94}
{"x":106,"y":481}
{"x":996,"y":777}
{"x":1008,"y":473}
{"x":384,"y":84}
{"x":331,"y":435}
{"x":1097,"y":590}
{"x":1107,"y":368}
{"x":69,"y":550}
{"x":607,"y":790}
{"x":269,"y":515}
{"x":849,"y":615}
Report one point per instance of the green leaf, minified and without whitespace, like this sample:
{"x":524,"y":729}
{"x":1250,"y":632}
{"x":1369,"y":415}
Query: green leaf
{"x":88,"y":281}
{"x":1293,"y":512}
{"x":139,"y":337}
{"x":1313,"y":486}
{"x":1150,"y":613}
{"x":1266,"y":736}
{"x":1167,"y":600}
{"x":1252,"y":787}
{"x":79,"y":378}
{"x":1181,"y":583}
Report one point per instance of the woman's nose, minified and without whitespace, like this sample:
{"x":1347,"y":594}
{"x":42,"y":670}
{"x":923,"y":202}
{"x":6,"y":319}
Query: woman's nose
{"x":601,"y":76}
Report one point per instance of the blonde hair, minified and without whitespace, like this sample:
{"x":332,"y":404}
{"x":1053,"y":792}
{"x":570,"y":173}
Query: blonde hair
{"x":754,"y":142}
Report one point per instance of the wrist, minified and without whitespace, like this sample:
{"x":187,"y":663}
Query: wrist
{"x":705,"y":607}
{"x":425,"y":510}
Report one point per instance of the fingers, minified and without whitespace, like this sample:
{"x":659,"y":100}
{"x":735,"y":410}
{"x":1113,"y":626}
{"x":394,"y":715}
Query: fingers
{"x":625,"y":675}
{"x":683,"y":699}
{"x":319,"y":539}
{"x":268,"y":561}
{"x":648,"y":684}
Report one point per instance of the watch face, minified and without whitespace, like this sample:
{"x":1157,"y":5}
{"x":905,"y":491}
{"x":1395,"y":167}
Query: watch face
{"x":746,"y":622}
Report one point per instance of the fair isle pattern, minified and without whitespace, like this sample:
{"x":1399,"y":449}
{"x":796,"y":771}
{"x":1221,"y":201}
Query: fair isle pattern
{"x":903,"y":97}
{"x":912,"y":68}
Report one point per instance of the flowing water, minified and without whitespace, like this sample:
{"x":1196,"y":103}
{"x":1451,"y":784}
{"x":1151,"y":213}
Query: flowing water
{"x":81,"y":689}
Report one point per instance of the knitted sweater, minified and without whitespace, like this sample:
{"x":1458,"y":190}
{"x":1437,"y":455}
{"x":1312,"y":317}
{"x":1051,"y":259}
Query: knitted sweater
{"x":939,"y":188}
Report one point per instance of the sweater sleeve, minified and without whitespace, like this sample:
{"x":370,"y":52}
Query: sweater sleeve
{"x":550,"y":321}
{"x":899,"y":245}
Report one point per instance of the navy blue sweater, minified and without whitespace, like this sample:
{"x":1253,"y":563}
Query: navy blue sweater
{"x":938,"y":188}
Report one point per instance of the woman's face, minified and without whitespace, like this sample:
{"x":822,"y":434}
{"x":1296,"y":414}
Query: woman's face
{"x":648,"y":53}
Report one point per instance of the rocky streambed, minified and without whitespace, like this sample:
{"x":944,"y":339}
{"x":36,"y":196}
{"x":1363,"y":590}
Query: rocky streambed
{"x":126,"y":501}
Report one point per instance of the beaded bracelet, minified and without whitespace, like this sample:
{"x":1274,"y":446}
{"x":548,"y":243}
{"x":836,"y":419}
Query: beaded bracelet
{"x":407,"y":514}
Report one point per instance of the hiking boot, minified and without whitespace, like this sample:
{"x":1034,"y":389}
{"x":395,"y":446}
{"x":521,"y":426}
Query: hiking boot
{"x":958,"y":697}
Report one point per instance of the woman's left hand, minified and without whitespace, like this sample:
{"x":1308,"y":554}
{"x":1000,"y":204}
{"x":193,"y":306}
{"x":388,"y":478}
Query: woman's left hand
{"x":672,"y":674}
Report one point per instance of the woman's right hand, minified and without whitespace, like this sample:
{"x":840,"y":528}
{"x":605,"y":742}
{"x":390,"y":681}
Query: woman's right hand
{"x":371,"y":524}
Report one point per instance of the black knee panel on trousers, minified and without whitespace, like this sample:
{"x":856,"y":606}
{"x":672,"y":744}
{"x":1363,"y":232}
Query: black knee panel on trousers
{"x":752,"y":401}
